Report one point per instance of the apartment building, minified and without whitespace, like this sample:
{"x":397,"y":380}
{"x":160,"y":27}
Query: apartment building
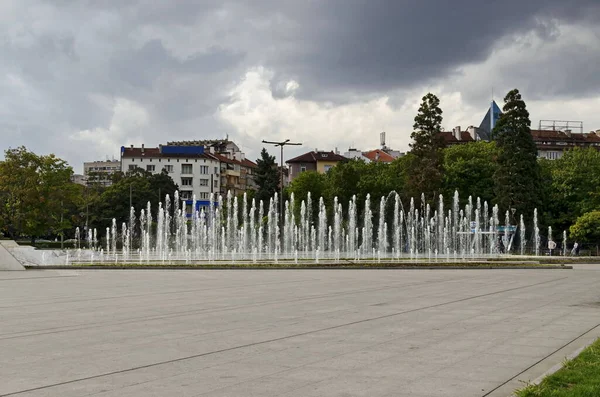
{"x":236,"y":171}
{"x":195,"y":172}
{"x":100,"y":172}
{"x":319,"y":161}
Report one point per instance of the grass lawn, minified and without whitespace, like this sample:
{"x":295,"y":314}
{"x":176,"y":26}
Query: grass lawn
{"x":579,"y":377}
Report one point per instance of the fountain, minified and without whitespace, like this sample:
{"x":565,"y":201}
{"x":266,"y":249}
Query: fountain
{"x":228,"y":230}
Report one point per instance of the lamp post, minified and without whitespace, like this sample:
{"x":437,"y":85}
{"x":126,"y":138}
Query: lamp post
{"x":281,"y":145}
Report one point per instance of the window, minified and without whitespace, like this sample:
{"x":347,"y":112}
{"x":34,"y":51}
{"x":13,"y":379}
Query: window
{"x":203,"y":196}
{"x":216,"y":170}
{"x":204,"y":169}
{"x":150,"y":168}
{"x":186,"y":181}
{"x":131,"y":167}
{"x":168,"y":168}
{"x":185,"y":195}
{"x":186,"y":169}
{"x":328,"y":167}
{"x":203,"y":182}
{"x":216,"y":181}
{"x":302,"y":168}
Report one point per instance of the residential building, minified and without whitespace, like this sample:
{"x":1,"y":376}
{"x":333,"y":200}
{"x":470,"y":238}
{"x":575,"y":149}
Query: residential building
{"x":382,"y":155}
{"x":472,"y":134}
{"x":236,"y":171}
{"x":79,"y":179}
{"x":551,"y":144}
{"x":100,"y":172}
{"x":195,"y":172}
{"x":378,"y":156}
{"x":319,"y":161}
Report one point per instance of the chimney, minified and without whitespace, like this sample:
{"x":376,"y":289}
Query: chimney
{"x":471,"y":131}
{"x":142,"y":148}
{"x":456,"y":132}
{"x":132,"y":146}
{"x":568,"y":133}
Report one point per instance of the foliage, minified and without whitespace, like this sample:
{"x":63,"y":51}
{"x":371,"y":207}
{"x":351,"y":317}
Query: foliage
{"x":137,"y":187}
{"x":426,"y":169}
{"x":36,"y":194}
{"x":587,"y":228}
{"x":469,"y":169}
{"x":517,"y":181}
{"x":579,"y":377}
{"x":266,"y":177}
{"x":575,"y":185}
{"x":309,"y":181}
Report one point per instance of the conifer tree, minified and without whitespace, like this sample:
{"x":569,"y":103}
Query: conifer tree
{"x":426,"y":167}
{"x":517,"y":179}
{"x":266,"y":177}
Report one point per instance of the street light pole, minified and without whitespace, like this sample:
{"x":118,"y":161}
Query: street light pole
{"x":281,"y":145}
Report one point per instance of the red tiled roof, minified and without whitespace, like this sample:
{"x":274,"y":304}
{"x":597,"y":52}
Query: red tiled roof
{"x":378,"y":155}
{"x":225,"y":159}
{"x":313,"y":157}
{"x":449,"y":138}
{"x":560,"y":136}
{"x":139,"y":152}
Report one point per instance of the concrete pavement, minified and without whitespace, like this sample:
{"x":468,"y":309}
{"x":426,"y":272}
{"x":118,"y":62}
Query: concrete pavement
{"x":290,"y":332}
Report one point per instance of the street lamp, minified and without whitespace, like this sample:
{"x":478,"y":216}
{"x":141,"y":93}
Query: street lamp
{"x":281,"y":145}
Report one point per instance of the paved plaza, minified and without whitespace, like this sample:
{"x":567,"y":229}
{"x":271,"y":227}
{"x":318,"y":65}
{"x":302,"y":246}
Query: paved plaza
{"x":293,"y":333}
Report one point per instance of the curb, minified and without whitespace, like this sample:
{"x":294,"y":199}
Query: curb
{"x":340,"y":267}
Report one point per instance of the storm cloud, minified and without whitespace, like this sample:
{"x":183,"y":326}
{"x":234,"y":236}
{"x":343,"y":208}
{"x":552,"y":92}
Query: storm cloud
{"x":82,"y":78}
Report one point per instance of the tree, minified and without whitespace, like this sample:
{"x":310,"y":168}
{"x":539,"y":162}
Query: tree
{"x":574,"y":186}
{"x":305,"y":182}
{"x":137,"y":187}
{"x":469,"y":169}
{"x":517,"y":181}
{"x":426,"y":169}
{"x":36,"y":193}
{"x":266,"y":177}
{"x":587,"y":228}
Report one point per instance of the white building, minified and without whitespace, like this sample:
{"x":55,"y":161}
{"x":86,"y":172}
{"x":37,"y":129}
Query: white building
{"x":193,"y":170}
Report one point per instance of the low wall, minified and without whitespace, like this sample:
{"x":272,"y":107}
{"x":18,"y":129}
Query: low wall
{"x":7,"y":259}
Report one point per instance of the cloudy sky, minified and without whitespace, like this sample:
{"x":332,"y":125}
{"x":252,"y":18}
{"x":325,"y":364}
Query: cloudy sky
{"x":82,"y":78}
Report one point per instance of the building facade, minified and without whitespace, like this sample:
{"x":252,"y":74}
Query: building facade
{"x":100,"y":172}
{"x":318,"y":161}
{"x":551,"y":144}
{"x":195,"y":172}
{"x":236,"y":171}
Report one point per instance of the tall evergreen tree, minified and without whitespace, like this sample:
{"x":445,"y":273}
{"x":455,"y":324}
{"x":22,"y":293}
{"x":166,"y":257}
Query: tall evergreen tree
{"x":426,"y":168}
{"x":266,"y":177}
{"x":517,"y":181}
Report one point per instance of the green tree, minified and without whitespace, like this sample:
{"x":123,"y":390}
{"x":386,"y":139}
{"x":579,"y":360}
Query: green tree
{"x":138,"y":187}
{"x":266,"y":177}
{"x":426,"y":169}
{"x":575,"y":185}
{"x":305,"y":182}
{"x":587,"y":228}
{"x":469,"y":169}
{"x":517,"y":181}
{"x":343,"y":181}
{"x":36,"y":193}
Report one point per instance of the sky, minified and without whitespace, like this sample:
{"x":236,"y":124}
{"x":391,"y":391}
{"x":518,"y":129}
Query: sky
{"x":82,"y":78}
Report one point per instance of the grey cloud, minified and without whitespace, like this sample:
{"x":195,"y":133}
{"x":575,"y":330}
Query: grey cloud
{"x":338,"y":50}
